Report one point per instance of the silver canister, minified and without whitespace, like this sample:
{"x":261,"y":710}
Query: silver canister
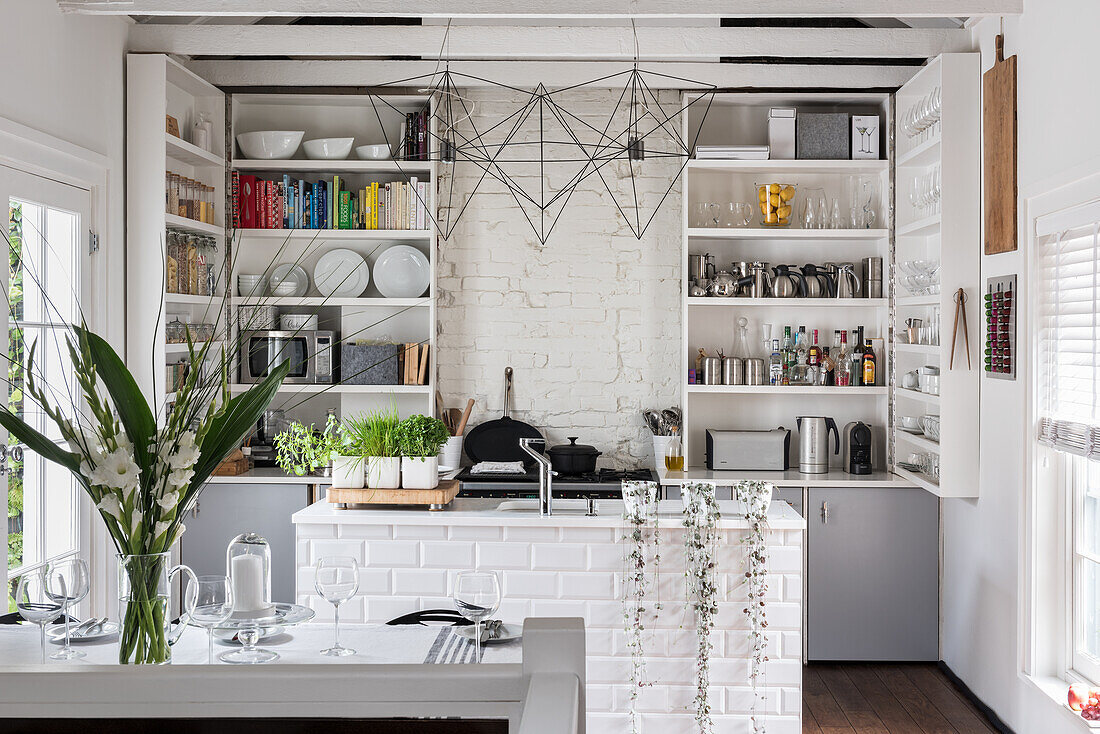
{"x":712,"y":371}
{"x":872,"y":277}
{"x":754,"y":371}
{"x":733,"y":371}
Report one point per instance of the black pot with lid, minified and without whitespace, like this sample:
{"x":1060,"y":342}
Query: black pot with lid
{"x":573,"y":457}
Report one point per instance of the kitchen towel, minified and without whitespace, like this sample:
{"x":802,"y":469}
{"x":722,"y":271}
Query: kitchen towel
{"x":449,"y":647}
{"x":498,"y":467}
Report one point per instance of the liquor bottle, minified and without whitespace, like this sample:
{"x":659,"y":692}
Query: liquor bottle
{"x":832,"y":355}
{"x":800,"y":372}
{"x":788,"y":356}
{"x":868,"y":364}
{"x":802,"y":346}
{"x":813,"y":358}
{"x":843,"y":371}
{"x":775,"y":367}
{"x":857,"y":356}
{"x":824,"y":368}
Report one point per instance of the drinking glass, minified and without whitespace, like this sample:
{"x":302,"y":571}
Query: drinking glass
{"x":822,"y":211}
{"x":477,"y":596}
{"x":336,"y":581}
{"x":213,"y":596}
{"x":35,"y":604}
{"x":67,"y":584}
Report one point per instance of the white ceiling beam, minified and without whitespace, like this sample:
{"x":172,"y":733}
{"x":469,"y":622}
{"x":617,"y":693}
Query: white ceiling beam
{"x":543,"y":42}
{"x":557,"y":8}
{"x":554,"y":74}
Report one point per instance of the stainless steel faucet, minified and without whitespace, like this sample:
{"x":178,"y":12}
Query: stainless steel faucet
{"x":546,"y":476}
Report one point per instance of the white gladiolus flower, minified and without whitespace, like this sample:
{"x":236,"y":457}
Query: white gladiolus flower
{"x":180,"y":531}
{"x":181,"y":477}
{"x":88,"y":441}
{"x":119,"y":470}
{"x":168,"y":501}
{"x":110,"y":504}
{"x":160,"y":529}
{"x":135,"y":521}
{"x":187,"y":453}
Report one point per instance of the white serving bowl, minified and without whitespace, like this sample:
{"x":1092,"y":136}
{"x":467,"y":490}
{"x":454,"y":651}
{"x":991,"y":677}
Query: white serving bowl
{"x":328,"y":149}
{"x":270,"y":145}
{"x":251,"y":285}
{"x":373,"y":152}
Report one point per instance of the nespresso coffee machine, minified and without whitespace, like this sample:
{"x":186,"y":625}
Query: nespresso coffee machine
{"x":856,"y":442}
{"x":262,"y":444}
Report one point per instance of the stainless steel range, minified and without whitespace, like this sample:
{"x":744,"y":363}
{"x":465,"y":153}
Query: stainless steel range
{"x":601,"y":485}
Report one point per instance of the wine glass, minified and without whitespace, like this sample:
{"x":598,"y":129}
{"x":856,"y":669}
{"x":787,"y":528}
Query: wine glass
{"x":213,"y":599}
{"x":35,"y":604}
{"x":336,"y":581}
{"x":67,"y":584}
{"x":477,"y":596}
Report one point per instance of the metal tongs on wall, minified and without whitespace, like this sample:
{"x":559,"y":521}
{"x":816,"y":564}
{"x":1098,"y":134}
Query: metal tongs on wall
{"x":960,"y":308}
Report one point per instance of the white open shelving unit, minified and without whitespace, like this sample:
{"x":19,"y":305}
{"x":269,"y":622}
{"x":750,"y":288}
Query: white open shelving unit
{"x":156,"y":86}
{"x":711,"y":323}
{"x":159,"y":86}
{"x":951,"y":236}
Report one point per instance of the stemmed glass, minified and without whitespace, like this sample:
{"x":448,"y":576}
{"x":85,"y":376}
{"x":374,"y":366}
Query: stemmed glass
{"x":67,"y":584}
{"x":35,"y":603}
{"x":213,"y":596}
{"x":336,"y":581}
{"x":477,"y":596}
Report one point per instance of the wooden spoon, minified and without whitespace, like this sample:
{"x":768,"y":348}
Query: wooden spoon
{"x":465,"y":417}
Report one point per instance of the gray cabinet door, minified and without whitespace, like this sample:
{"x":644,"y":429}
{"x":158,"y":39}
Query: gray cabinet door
{"x":225,"y":510}
{"x":873,"y":574}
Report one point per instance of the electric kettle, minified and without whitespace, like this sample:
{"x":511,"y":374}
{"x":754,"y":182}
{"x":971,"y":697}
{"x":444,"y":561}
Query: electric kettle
{"x":813,"y":443}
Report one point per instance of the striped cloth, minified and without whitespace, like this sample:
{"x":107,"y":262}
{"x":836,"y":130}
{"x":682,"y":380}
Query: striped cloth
{"x":449,"y":647}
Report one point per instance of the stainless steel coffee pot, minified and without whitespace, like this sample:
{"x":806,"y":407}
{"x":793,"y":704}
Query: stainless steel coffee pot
{"x":816,"y":283}
{"x":758,"y":282}
{"x":847,"y":282}
{"x":786,"y":283}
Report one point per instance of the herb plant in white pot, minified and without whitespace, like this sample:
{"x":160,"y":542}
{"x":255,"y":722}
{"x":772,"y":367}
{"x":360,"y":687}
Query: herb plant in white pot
{"x":378,"y":433}
{"x":348,"y":458}
{"x":419,"y":438}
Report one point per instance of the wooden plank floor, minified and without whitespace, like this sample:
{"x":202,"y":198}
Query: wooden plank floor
{"x":868,"y":698}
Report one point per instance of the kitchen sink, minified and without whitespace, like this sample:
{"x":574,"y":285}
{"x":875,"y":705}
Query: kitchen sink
{"x":560,"y":506}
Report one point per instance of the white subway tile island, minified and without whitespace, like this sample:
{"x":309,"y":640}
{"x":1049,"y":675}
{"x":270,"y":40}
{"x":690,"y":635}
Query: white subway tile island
{"x":571,"y":564}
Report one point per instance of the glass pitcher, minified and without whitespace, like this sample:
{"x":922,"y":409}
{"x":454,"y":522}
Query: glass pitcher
{"x":145,"y":635}
{"x":674,"y":454}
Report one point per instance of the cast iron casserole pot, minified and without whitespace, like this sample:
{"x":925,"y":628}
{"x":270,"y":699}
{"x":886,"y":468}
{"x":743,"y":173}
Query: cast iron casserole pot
{"x":573,"y":458}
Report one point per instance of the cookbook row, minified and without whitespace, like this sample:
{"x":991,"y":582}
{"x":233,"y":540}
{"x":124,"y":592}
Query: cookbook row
{"x":328,"y":204}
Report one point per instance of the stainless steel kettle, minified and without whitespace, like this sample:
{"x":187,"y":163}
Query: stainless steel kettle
{"x":813,"y":443}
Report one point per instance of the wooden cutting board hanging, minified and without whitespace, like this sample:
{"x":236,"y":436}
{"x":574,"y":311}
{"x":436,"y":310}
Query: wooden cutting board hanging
{"x":999,"y":128}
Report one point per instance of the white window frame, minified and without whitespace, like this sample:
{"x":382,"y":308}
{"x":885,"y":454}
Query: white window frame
{"x":45,"y":155}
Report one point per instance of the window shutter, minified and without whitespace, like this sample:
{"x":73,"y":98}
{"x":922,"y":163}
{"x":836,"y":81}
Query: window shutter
{"x":1069,"y":340}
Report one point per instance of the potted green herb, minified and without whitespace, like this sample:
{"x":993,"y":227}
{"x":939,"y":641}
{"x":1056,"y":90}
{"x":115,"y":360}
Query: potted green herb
{"x":419,"y":438}
{"x":300,"y":450}
{"x":348,"y":457}
{"x":376,"y":433}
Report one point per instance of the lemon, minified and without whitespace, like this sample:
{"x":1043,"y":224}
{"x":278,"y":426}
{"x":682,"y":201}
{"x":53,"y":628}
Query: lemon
{"x":773,"y":189}
{"x":784,"y":212}
{"x":787,"y":193}
{"x":763,"y":194}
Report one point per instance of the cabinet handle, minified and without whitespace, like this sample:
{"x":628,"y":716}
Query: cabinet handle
{"x":825,"y":513}
{"x":195,"y":509}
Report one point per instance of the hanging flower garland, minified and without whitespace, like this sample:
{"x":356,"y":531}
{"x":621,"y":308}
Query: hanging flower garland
{"x":640,"y":505}
{"x":755,"y":497}
{"x":701,"y":517}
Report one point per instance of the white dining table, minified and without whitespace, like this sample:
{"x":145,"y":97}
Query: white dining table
{"x":373,"y":643}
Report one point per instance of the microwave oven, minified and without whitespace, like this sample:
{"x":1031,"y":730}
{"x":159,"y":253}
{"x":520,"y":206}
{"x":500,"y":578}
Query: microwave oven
{"x":310,"y":354}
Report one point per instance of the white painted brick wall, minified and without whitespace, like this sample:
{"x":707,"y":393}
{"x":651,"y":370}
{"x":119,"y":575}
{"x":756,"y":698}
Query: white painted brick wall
{"x":551,"y":572}
{"x":590,"y":322}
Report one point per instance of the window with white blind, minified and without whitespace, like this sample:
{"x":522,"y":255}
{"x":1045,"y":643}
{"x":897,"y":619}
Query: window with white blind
{"x":1069,"y":405}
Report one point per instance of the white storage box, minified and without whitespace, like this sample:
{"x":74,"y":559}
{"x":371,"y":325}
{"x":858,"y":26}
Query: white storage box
{"x":781,"y":124}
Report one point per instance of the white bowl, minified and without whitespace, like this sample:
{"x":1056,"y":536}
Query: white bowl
{"x":251,"y":285}
{"x":328,"y":149}
{"x":270,"y":145}
{"x":373,"y":152}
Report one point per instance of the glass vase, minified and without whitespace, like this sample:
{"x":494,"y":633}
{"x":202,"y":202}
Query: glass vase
{"x":145,"y":635}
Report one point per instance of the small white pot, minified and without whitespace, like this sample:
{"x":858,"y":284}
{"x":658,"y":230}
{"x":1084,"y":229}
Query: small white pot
{"x":383,"y":472}
{"x":419,"y":472}
{"x":347,"y":472}
{"x":450,"y":454}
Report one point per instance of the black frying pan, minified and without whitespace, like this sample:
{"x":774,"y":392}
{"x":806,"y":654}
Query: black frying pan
{"x":498,"y":440}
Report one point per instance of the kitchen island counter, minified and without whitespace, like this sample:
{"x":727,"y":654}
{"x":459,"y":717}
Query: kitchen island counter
{"x":573,"y":565}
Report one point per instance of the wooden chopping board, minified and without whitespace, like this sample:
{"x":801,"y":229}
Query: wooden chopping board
{"x":441,"y":495}
{"x":999,"y":129}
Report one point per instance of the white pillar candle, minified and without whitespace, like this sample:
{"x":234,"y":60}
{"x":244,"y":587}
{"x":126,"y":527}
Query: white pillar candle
{"x":248,"y":583}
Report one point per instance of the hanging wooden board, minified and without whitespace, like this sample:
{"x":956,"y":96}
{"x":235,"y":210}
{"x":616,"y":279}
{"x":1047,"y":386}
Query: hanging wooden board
{"x":999,"y":129}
